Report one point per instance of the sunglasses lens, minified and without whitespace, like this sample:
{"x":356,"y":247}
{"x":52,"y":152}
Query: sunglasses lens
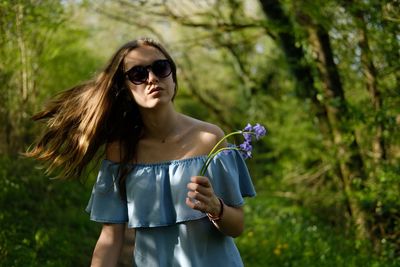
{"x":138,"y":75}
{"x":161,"y":68}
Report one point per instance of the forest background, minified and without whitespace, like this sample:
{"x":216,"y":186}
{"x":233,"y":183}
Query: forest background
{"x":322,"y":76}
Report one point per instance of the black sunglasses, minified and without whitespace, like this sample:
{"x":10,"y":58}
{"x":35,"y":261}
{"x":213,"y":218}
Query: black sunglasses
{"x":139,"y":74}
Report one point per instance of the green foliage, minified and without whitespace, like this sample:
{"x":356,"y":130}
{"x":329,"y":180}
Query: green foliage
{"x":279,"y":233}
{"x":67,"y":63}
{"x":38,"y":58}
{"x":44,"y":223}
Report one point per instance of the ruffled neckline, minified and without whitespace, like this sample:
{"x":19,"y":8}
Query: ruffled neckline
{"x":164,"y":162}
{"x":156,"y":192}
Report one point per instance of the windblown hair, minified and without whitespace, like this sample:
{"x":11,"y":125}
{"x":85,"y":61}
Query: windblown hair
{"x":84,"y":118}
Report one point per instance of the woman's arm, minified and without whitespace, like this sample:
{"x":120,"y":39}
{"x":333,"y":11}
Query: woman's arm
{"x":201,"y":195}
{"x":200,"y":190}
{"x":231,"y":222}
{"x":109,"y":245}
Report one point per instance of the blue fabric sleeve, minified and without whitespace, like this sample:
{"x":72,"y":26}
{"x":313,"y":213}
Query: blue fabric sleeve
{"x":106,"y":205}
{"x":156,"y":193}
{"x":230,"y":178}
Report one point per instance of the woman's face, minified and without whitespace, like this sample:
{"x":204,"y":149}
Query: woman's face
{"x":154,"y":90}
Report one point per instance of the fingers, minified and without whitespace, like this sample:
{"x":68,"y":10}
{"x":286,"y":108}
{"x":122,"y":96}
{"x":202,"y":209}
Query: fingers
{"x":197,"y":196}
{"x":200,"y":194}
{"x":196,"y":205}
{"x":205,"y":207}
{"x":200,"y":184}
{"x":201,"y":180}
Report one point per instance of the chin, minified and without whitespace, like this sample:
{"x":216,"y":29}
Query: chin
{"x":157,"y":103}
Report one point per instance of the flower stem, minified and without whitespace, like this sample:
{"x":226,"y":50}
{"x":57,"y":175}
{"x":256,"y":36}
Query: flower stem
{"x":222,"y":139}
{"x":210,"y":157}
{"x":213,"y":152}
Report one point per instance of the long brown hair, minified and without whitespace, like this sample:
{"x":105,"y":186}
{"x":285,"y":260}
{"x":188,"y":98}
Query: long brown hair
{"x":84,"y":118}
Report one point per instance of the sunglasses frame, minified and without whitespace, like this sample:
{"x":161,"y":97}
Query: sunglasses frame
{"x":148,"y":68}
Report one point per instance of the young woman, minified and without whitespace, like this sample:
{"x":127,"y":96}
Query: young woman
{"x":149,"y":178}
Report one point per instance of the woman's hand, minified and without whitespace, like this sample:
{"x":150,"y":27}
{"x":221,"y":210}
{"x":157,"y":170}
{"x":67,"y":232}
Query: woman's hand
{"x":201,"y":196}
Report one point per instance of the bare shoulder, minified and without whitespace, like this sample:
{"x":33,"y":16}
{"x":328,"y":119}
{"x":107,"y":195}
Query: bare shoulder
{"x":210,"y":133}
{"x":206,"y":134}
{"x":113,"y":151}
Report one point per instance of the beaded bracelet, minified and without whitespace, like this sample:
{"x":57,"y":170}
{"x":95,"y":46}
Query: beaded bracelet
{"x":219,"y":216}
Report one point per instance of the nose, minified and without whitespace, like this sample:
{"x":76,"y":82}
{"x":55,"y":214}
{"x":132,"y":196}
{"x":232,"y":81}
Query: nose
{"x":152,"y":77}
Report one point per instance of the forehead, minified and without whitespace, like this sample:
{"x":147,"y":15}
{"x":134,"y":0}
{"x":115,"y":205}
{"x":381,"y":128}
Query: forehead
{"x":142,"y":55}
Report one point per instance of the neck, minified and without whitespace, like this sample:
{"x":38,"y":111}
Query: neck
{"x":159,"y":124}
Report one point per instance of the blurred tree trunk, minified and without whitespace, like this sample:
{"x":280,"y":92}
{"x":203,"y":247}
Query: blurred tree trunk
{"x":336,"y":112}
{"x":378,"y":145}
{"x":371,"y":79}
{"x":296,"y":60}
{"x":18,"y":82}
{"x":26,"y":27}
{"x":25,"y":85}
{"x":349,"y":157}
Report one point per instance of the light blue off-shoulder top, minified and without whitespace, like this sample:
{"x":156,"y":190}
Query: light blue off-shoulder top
{"x":168,"y":232}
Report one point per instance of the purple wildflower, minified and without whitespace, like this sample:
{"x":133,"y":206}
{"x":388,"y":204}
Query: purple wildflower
{"x":247,"y":132}
{"x":259,"y":130}
{"x":248,"y":128}
{"x":246,"y":149}
{"x":247,"y":137}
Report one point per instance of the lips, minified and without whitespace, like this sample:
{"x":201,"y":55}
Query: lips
{"x":155,"y":90}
